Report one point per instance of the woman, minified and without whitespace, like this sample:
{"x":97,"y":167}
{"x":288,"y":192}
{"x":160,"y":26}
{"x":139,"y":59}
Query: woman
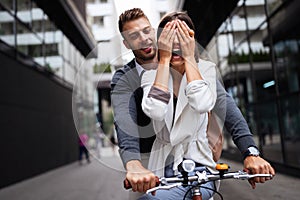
{"x":178,"y":96}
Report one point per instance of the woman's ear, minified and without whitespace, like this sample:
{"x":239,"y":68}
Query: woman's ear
{"x":126,"y":44}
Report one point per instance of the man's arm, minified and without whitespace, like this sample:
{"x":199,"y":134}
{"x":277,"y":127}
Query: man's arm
{"x":237,"y":126}
{"x":125,"y":117}
{"x":234,"y":121}
{"x":126,"y":128}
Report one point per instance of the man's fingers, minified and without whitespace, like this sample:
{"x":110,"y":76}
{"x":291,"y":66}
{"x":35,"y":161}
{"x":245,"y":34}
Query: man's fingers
{"x":153,"y":182}
{"x":140,"y":186}
{"x":146,"y":184}
{"x":134,"y":186}
{"x":252,"y":183}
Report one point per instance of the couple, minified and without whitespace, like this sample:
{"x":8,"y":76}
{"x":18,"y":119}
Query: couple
{"x":161,"y":102}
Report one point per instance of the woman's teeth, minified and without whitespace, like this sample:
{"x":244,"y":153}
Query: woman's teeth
{"x":176,"y":52}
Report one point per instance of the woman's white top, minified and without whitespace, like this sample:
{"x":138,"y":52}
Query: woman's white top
{"x":185,"y":135}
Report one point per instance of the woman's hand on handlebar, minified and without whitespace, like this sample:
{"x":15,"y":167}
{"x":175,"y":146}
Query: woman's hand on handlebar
{"x":140,"y":178}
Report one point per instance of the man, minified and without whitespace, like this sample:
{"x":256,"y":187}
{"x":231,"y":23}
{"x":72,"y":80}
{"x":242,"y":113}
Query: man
{"x":134,"y":129}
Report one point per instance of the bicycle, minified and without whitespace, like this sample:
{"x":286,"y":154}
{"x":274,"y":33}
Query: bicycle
{"x":199,"y":177}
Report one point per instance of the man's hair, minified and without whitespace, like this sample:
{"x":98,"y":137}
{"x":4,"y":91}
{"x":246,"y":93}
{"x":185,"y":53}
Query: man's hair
{"x":129,"y":15}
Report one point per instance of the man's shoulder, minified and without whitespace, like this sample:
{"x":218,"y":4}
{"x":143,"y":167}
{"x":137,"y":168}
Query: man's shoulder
{"x":129,"y":66}
{"x":123,"y":70}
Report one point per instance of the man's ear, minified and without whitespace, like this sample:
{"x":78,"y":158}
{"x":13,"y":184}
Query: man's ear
{"x":126,"y":44}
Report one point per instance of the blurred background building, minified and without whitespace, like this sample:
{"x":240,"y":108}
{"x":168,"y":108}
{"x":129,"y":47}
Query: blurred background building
{"x":42,"y":46}
{"x":53,"y":52}
{"x":257,"y":48}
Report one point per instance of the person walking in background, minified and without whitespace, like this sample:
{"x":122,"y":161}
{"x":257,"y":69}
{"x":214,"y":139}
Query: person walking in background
{"x":113,"y":142}
{"x":82,"y":140}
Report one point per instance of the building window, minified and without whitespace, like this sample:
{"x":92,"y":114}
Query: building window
{"x":8,"y":4}
{"x":272,"y":5}
{"x":6,"y":28}
{"x":23,"y":5}
{"x":37,"y":26}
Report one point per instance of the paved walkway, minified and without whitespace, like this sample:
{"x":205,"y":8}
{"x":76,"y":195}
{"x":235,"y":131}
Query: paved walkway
{"x":103,"y":181}
{"x":281,"y":187}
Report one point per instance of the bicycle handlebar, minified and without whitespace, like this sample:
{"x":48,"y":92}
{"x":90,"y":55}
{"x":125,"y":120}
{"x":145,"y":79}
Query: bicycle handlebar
{"x":200,"y":177}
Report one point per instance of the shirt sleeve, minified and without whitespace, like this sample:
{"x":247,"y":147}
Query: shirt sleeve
{"x":202,"y":94}
{"x":234,"y":122}
{"x":124,"y":109}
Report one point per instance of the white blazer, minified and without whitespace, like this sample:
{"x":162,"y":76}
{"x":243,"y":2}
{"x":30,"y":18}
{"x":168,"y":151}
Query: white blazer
{"x":187,"y":137}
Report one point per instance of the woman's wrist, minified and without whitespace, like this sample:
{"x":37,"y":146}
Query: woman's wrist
{"x":164,"y":62}
{"x":189,"y":58}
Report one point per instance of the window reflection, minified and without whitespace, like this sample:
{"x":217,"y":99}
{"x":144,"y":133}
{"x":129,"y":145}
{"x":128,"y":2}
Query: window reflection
{"x":272,"y":5}
{"x":34,"y":35}
{"x":24,"y":11}
{"x":6,"y":26}
{"x":287,"y":65}
{"x":8,"y":4}
{"x":266,"y":90}
{"x":291,"y":117}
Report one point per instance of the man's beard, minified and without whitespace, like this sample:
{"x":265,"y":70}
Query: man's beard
{"x":145,"y":57}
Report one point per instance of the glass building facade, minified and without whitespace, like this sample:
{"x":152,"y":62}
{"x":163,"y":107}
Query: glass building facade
{"x":261,"y":70}
{"x":28,"y":29}
{"x":31,"y":37}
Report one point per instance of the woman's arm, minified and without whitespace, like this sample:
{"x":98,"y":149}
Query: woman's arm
{"x":165,"y":43}
{"x":155,"y":100}
{"x":202,"y":94}
{"x":201,"y":90}
{"x":156,"y":93}
{"x":187,"y":44}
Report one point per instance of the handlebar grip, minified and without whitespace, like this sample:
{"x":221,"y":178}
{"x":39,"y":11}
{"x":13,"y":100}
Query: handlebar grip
{"x":127,"y":184}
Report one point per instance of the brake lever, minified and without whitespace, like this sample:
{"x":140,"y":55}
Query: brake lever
{"x":164,"y":187}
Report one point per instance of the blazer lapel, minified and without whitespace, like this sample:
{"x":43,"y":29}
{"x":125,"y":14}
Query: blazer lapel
{"x":182,"y":99}
{"x":169,"y":115}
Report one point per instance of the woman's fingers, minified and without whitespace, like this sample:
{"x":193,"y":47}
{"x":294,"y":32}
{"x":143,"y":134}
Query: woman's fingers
{"x":166,"y":39}
{"x":183,"y":27}
{"x":171,"y":31}
{"x":187,"y":42}
{"x":165,"y":30}
{"x":190,"y":31}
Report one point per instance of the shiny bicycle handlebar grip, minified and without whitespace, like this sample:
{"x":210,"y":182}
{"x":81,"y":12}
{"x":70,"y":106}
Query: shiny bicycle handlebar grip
{"x":128,"y":186}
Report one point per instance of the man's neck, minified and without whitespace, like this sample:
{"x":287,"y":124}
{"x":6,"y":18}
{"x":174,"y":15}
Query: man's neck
{"x":147,"y":64}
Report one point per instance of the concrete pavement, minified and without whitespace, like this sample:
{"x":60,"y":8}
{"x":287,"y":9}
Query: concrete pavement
{"x":279,"y":188}
{"x":94,"y":181}
{"x":102,"y":180}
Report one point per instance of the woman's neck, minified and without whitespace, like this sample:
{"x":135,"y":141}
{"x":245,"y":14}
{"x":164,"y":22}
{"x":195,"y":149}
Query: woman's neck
{"x":179,"y":69}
